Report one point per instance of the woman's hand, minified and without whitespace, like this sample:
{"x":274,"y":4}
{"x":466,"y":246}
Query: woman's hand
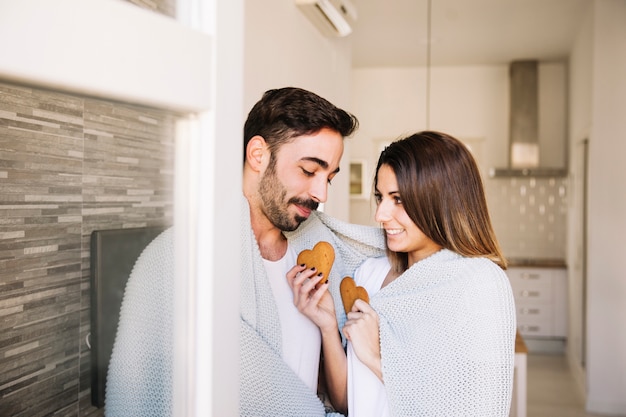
{"x":312,"y":300}
{"x":315,"y":302}
{"x":362,"y":330}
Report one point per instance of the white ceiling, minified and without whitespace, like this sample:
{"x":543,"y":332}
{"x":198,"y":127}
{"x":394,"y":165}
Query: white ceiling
{"x":463,"y":32}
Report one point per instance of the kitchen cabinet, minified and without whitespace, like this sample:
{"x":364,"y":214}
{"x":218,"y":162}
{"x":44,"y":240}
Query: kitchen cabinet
{"x":541,"y":301}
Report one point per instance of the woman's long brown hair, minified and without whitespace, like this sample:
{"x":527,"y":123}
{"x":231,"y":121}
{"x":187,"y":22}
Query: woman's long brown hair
{"x":443,"y":194}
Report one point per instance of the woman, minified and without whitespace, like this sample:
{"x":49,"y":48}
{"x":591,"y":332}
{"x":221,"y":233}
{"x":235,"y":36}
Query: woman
{"x":437,"y":338}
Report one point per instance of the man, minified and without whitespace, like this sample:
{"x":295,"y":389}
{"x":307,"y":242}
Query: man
{"x":293,"y":146}
{"x":293,"y":143}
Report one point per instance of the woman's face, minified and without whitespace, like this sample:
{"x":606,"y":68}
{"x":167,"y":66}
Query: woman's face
{"x":402,"y":234}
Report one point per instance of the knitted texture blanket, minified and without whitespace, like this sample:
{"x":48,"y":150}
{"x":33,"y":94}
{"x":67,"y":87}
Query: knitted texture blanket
{"x":447,"y":329}
{"x":139,"y":379}
{"x":268,"y":387}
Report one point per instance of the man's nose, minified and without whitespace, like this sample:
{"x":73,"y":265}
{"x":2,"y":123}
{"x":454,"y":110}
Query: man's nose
{"x":319,"y":189}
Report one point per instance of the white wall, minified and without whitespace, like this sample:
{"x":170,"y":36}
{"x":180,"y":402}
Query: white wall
{"x":390,"y":102}
{"x":469,"y":102}
{"x":282,"y":48}
{"x":606,"y":357}
{"x":472,"y":103}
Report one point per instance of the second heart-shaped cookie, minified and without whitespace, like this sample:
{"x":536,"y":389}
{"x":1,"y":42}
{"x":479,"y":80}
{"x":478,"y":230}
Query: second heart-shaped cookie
{"x":321,"y":257}
{"x":350,"y":292}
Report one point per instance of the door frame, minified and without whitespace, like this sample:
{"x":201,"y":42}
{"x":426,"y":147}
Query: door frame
{"x":114,"y":50}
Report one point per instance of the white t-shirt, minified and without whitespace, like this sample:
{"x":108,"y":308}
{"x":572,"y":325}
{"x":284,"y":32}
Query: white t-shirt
{"x":301,"y":337}
{"x":366,"y":393}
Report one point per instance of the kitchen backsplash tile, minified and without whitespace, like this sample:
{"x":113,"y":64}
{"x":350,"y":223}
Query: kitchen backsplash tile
{"x":529,"y":215}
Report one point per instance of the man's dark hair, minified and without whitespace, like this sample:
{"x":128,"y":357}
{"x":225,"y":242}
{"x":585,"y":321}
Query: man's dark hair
{"x":285,"y":113}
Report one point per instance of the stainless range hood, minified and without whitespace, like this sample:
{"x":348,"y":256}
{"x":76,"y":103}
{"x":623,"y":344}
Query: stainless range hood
{"x":525,"y":121}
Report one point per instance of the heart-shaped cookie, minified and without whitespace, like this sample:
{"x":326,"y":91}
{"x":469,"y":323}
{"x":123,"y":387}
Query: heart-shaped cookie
{"x":350,"y":293}
{"x":321,"y":257}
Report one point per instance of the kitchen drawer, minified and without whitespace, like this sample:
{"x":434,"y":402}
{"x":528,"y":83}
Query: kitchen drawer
{"x":530,"y":278}
{"x":535,"y":329}
{"x":539,"y":311}
{"x":531,"y":286}
{"x":530,"y":274}
{"x":530,"y":295}
{"x":535,"y":320}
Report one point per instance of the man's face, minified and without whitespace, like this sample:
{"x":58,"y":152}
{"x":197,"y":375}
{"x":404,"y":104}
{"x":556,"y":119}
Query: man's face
{"x":296,"y":179}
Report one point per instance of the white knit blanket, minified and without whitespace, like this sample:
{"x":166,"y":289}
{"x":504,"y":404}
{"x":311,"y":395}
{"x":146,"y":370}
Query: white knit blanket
{"x":268,"y":387}
{"x":447,"y":328}
{"x":139,"y":380}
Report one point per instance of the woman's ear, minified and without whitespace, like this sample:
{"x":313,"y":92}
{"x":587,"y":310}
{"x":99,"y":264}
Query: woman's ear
{"x":255,"y":151}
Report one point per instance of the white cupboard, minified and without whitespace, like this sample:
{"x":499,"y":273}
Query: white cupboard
{"x":541,"y":301}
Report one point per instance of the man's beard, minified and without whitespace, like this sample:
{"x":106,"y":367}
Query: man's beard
{"x":273,"y":195}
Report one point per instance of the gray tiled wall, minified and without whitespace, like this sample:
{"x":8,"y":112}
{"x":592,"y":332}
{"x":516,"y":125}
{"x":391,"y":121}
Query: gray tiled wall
{"x":68,"y":166}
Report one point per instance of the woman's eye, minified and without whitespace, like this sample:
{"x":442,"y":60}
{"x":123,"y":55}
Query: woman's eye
{"x":307,"y":173}
{"x":377,"y":198}
{"x":397,"y":200}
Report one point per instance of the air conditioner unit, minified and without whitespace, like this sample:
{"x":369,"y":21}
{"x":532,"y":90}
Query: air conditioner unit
{"x":334,"y":18}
